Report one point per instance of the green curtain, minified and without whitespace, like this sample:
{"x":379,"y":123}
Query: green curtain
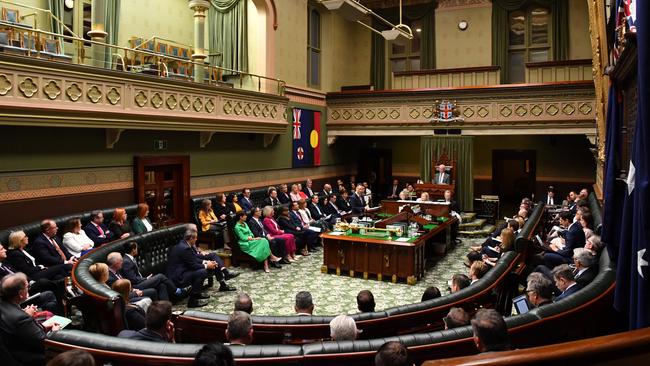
{"x":377,"y":59}
{"x":559,"y":29}
{"x":228,"y":34}
{"x":428,"y":44}
{"x":56,"y":7}
{"x":112,"y":27}
{"x":460,"y":148}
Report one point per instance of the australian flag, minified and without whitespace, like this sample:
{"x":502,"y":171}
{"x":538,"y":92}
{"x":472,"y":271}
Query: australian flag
{"x":633,"y":276}
{"x":305,"y":127}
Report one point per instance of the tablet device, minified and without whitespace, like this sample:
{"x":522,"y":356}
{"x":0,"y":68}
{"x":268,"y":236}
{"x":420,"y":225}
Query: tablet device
{"x":521,"y":304}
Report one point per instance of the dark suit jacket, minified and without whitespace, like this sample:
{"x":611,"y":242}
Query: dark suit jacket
{"x":287,"y":225}
{"x":329,"y":209}
{"x":21,"y":263}
{"x":182,"y":261}
{"x":258,"y":230}
{"x":306,"y":191}
{"x":586,"y":277}
{"x":6,"y":267}
{"x":245,"y":203}
{"x":22,"y":336}
{"x":267,"y":202}
{"x":574,"y":237}
{"x":315,"y":214}
{"x":284,"y":197}
{"x":390,"y":192}
{"x":111,"y":278}
{"x":343,"y":205}
{"x":130,"y":271}
{"x":93,"y":234}
{"x":45,"y":253}
{"x":446,"y":179}
{"x":119,"y":230}
{"x":357,"y":203}
{"x":295,"y":218}
{"x":571,"y":290}
{"x":142,"y":335}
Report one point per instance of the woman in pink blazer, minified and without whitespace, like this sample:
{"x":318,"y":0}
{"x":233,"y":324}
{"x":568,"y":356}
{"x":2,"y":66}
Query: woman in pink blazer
{"x":274,"y":229}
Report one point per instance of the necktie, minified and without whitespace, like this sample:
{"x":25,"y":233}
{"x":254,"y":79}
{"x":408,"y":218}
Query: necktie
{"x":56,"y":246}
{"x":101,"y":231}
{"x":3,"y":268}
{"x":117,"y":275}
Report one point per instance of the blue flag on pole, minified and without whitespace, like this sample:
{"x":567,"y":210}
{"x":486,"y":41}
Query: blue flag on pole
{"x":633,"y":276}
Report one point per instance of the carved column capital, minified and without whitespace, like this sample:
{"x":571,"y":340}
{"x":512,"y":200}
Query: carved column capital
{"x":199,"y":7}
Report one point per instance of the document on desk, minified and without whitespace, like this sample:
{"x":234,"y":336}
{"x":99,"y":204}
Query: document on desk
{"x":336,"y":232}
{"x":315,"y":228}
{"x":403,"y":240}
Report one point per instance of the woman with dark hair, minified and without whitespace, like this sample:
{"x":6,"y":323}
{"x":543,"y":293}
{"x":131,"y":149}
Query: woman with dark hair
{"x":119,"y":226}
{"x":587,"y":222}
{"x":134,"y":314}
{"x":232,"y":201}
{"x":288,"y":227}
{"x":214,"y":354}
{"x":75,"y":239}
{"x":221,"y":208}
{"x":141,"y":223}
{"x":257,"y":248}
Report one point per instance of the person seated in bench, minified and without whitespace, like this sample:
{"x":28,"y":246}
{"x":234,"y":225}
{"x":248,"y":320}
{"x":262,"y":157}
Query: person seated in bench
{"x":277,"y":245}
{"x":141,"y":223}
{"x":221,"y":209}
{"x":283,"y":194}
{"x":24,"y":262}
{"x":232,"y":201}
{"x":214,"y":354}
{"x":272,"y":199}
{"x":430,"y":293}
{"x":393,"y":354}
{"x":100,"y":272}
{"x":245,"y":201}
{"x":158,"y":325}
{"x":115,"y":261}
{"x":490,"y":331}
{"x":96,"y":230}
{"x":240,"y":329}
{"x":574,"y":237}
{"x":48,"y":250}
{"x":273,"y":228}
{"x":289,"y":227}
{"x":565,"y":281}
{"x":224,"y":274}
{"x":343,"y":328}
{"x":165,"y":288}
{"x":585,"y":269}
{"x":244,"y":303}
{"x":133,"y":314}
{"x":539,"y":289}
{"x":75,"y":240}
{"x":256,"y":247}
{"x":304,"y":304}
{"x":365,"y":301}
{"x":311,"y":237}
{"x":456,"y":318}
{"x":477,"y":270}
{"x":119,"y":226}
{"x":458,"y":282}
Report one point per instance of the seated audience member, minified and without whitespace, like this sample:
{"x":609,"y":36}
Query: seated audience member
{"x":393,"y":191}
{"x":158,"y":324}
{"x":222,"y":273}
{"x":185,"y":268}
{"x":550,"y":196}
{"x":441,"y":176}
{"x":141,"y":223}
{"x":244,"y":201}
{"x":343,"y":328}
{"x":317,"y":210}
{"x":214,"y":354}
{"x":332,"y":209}
{"x":393,"y":354}
{"x":539,"y":289}
{"x":472,"y":257}
{"x":302,"y":194}
{"x":133,"y":314}
{"x":283,"y":194}
{"x":310,"y":237}
{"x":491,"y":242}
{"x":459,"y":281}
{"x":232,"y":201}
{"x":115,"y":261}
{"x":594,"y":245}
{"x":48,"y":250}
{"x":287,"y":225}
{"x":307,"y":189}
{"x":574,"y":237}
{"x":430,"y":293}
{"x":73,"y":357}
{"x":272,"y":199}
{"x":256,"y":247}
{"x":207,"y":216}
{"x":564,"y":281}
{"x":477,"y":271}
{"x":456,"y":318}
{"x":343,"y":202}
{"x":304,"y":303}
{"x":240,"y":328}
{"x":585,"y":270}
{"x":453,"y":205}
{"x":21,"y":261}
{"x":221,"y":208}
{"x":424,"y":197}
{"x":101,"y":273}
{"x":96,"y":230}
{"x":22,"y":336}
{"x":47,"y":300}
{"x":273,"y":228}
{"x":584,"y":194}
{"x":365,"y":301}
{"x":159,"y":282}
{"x":490,"y":331}
{"x":404,"y":195}
{"x":306,"y":217}
{"x":119,"y":226}
{"x":278,"y":249}
{"x":327,"y":190}
{"x":587,"y":221}
{"x":244,"y":303}
{"x":295,"y":193}
{"x":492,"y":255}
{"x":75,"y":240}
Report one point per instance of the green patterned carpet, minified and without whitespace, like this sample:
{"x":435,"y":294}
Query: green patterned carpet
{"x":273,"y":293}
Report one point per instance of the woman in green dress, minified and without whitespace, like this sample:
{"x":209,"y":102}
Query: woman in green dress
{"x":257,"y":248}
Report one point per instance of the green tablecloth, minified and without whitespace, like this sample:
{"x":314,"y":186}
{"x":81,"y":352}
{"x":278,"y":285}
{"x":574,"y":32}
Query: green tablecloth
{"x":429,"y":227}
{"x":387,"y":237}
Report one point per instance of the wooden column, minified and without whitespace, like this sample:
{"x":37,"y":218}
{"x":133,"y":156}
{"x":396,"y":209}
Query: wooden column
{"x":199,"y":55}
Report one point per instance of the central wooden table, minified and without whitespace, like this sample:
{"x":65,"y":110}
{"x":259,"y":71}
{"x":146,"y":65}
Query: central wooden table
{"x":367,"y":255}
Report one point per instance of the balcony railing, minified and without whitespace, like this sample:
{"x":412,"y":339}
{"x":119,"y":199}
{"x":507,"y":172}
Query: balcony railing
{"x":553,"y":71}
{"x":446,"y":78}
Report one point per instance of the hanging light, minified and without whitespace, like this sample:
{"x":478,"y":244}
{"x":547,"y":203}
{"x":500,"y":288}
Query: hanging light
{"x":354,"y":11}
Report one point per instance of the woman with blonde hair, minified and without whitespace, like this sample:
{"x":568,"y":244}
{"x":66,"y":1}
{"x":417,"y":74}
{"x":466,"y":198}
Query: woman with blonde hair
{"x":119,"y":226}
{"x":141,"y":223}
{"x":75,"y":239}
{"x":134,"y":314}
{"x":273,"y":228}
{"x":24,"y":262}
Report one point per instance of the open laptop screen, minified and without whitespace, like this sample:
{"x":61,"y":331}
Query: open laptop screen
{"x":521,"y":304}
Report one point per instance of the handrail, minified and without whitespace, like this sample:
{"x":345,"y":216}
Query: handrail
{"x":47,"y":11}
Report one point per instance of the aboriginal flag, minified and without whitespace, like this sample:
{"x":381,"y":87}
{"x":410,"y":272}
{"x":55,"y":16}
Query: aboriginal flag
{"x":305,"y":127}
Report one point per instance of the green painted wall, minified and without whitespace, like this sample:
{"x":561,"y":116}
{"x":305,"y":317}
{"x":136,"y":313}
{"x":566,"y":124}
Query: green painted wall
{"x":472,"y":47}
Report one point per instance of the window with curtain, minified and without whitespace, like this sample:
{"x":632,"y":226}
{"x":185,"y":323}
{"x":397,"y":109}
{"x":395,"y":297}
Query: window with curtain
{"x":313,"y":47}
{"x":405,"y":54}
{"x":528,"y":40}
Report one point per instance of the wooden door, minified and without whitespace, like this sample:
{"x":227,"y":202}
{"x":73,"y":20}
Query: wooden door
{"x":163,"y":183}
{"x":513,"y":174}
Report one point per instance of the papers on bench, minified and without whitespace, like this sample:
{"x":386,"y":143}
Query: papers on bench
{"x":403,"y":239}
{"x":61,"y":321}
{"x":314,"y":228}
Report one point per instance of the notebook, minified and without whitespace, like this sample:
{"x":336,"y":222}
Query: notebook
{"x":63,"y":322}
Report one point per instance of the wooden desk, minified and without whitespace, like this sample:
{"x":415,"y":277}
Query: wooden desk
{"x":435,"y":191}
{"x":438,"y":209}
{"x":366,"y":255}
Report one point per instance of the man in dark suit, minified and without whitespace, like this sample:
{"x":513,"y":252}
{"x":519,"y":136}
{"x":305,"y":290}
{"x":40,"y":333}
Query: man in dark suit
{"x":332,"y":208}
{"x":574,"y":237}
{"x":307,"y":188}
{"x":327,"y":190}
{"x":159,"y":282}
{"x":245,"y":200}
{"x":276,"y":244}
{"x":585,"y":270}
{"x":221,"y":273}
{"x":272,"y":200}
{"x":21,"y":334}
{"x":343,"y":202}
{"x":309,"y":236}
{"x":393,"y":191}
{"x":550,"y":197}
{"x":96,"y":230}
{"x":158,"y":324}
{"x":539,"y":289}
{"x":22,"y":261}
{"x":114,"y":261}
{"x":317,"y":212}
{"x":47,"y":248}
{"x":357,"y":201}
{"x":184,"y":268}
{"x":565,"y":281}
{"x":283,"y":194}
{"x":441,"y":176}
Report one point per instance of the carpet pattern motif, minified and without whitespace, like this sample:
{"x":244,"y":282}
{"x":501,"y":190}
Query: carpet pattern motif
{"x":274,"y":293}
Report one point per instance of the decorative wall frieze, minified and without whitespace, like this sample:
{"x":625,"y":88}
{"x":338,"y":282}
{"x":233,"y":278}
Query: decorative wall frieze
{"x":462,"y":4}
{"x":80,"y":98}
{"x":501,"y":110}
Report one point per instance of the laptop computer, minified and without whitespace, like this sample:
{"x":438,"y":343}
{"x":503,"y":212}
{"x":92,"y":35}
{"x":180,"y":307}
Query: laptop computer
{"x":521,"y":304}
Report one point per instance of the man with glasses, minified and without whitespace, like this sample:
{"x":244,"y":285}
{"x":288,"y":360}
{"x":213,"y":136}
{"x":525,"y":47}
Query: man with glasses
{"x":539,"y":289}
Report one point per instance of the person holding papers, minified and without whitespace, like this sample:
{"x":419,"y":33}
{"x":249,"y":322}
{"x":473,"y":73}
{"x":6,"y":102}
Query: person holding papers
{"x":358,"y":200}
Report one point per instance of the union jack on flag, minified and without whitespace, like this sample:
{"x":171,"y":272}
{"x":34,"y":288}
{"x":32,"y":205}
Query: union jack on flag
{"x":446,"y":110}
{"x":296,"y":124}
{"x":625,"y":10}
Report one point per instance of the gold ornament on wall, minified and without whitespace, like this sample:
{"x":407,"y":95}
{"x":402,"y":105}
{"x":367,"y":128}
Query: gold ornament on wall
{"x":94,"y":94}
{"x":73,"y":92}
{"x":113,"y":96}
{"x":52,"y":89}
{"x":5,"y":85}
{"x":28,"y":87}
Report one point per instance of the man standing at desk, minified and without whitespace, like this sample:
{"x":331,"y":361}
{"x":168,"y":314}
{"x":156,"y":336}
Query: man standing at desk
{"x":357,"y":201}
{"x":442,"y":177}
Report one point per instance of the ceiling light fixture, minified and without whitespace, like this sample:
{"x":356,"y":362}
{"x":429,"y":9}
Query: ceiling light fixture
{"x":354,"y":11}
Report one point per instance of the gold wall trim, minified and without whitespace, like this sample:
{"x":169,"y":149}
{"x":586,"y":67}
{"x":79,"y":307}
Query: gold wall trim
{"x":304,"y":96}
{"x":444,"y":5}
